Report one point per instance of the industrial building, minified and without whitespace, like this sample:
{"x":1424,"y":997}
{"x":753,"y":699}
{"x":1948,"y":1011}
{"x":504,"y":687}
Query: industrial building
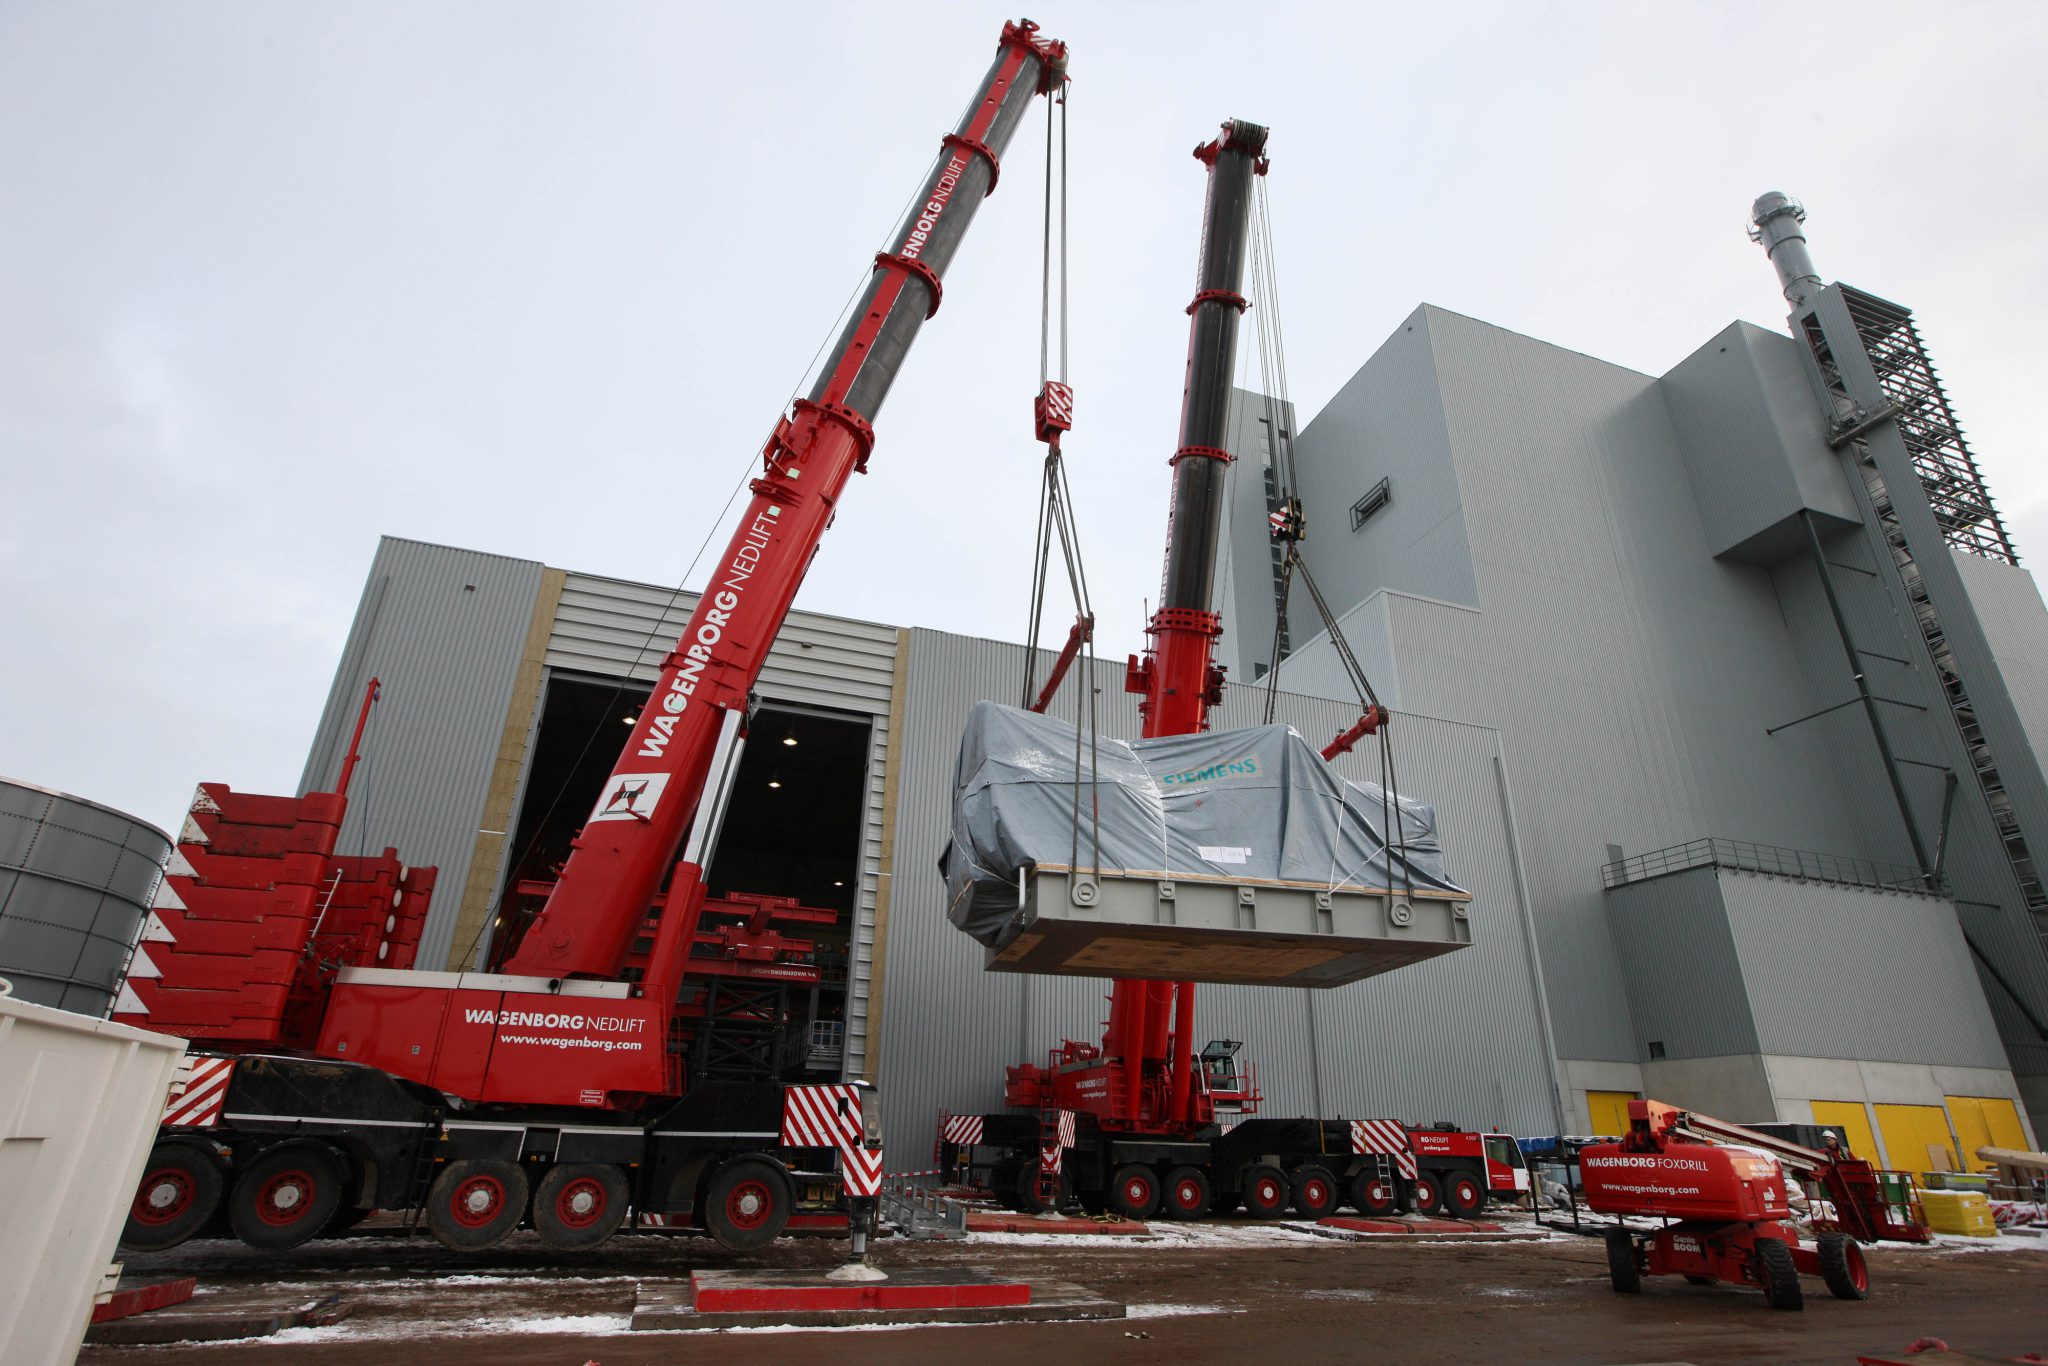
{"x":1599,"y":604}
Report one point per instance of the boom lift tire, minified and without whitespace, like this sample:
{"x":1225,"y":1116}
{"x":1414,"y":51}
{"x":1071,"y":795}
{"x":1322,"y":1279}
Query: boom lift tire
{"x":1372,"y":1193}
{"x":1464,"y":1195}
{"x":476,"y":1203}
{"x":1778,"y":1275}
{"x":286,"y":1196}
{"x":1621,"y":1263}
{"x":1265,"y":1191}
{"x":579,"y":1204}
{"x":748,"y":1203}
{"x":1315,"y":1192}
{"x":180,"y":1190}
{"x":1187,"y":1193}
{"x":1027,"y":1200}
{"x":1843,"y":1268}
{"x":1135,"y":1194}
{"x":1427,"y":1195}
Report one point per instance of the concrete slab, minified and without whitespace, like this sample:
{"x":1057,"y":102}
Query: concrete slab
{"x":714,"y":1292}
{"x":670,"y":1306}
{"x":1412,"y":1228}
{"x":225,"y":1323}
{"x":1004,"y":1221}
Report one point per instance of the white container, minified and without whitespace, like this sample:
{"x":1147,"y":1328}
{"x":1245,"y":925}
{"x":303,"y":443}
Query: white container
{"x":79,"y":1104}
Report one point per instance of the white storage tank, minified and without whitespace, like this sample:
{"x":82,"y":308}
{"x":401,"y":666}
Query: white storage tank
{"x":76,"y":880}
{"x":79,"y":1102}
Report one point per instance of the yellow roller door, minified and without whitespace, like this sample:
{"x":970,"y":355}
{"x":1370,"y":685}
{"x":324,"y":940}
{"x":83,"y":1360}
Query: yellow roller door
{"x":1608,"y":1110}
{"x":1985,"y":1122}
{"x":1849,"y":1119}
{"x":1909,"y":1131}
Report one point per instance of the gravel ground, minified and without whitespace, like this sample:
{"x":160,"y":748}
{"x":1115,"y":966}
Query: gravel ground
{"x":1221,"y":1290}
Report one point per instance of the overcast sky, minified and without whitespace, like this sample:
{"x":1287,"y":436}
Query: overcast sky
{"x":537,"y":279}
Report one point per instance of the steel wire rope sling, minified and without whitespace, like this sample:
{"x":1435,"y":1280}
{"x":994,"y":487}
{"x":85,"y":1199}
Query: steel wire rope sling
{"x":1053,"y":417}
{"x":1290,"y":528}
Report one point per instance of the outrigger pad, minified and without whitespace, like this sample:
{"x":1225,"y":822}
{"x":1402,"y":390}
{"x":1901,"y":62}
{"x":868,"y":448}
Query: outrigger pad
{"x":1231,"y":856}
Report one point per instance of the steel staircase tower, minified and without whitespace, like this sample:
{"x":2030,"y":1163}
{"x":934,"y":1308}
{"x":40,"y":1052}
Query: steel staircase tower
{"x":1884,"y":405}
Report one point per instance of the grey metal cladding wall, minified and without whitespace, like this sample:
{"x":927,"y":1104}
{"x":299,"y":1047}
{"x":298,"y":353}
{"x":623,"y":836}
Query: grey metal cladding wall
{"x":1846,"y":972}
{"x":1455,"y":1039}
{"x":1988,"y":900}
{"x":2015,"y":622}
{"x":1386,"y":422}
{"x":1458,"y":1037}
{"x":76,"y":879}
{"x":442,"y":628}
{"x":1628,"y":670}
{"x":610,"y":627}
{"x":1685,"y":986}
{"x":1753,"y":442}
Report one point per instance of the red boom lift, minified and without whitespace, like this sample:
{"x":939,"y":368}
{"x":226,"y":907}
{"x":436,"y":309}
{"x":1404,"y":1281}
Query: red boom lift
{"x":1725,"y":1187}
{"x":562,"y":1076}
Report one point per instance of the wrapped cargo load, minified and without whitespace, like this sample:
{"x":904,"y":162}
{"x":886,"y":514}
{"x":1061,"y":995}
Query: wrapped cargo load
{"x":1227,"y":856}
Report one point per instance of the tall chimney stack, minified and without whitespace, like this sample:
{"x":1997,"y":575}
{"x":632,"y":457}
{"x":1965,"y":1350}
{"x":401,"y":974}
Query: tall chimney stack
{"x":1774,"y":221}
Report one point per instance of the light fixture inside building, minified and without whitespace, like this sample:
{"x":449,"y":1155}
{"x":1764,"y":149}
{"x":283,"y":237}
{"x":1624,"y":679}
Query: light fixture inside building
{"x":789,"y":738}
{"x":629,"y":720}
{"x":838,"y":884}
{"x":775,"y":782}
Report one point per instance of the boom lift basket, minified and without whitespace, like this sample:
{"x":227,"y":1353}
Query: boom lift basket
{"x":1227,"y":857}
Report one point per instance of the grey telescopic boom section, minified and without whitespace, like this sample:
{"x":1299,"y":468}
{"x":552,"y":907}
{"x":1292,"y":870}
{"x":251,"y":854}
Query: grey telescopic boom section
{"x":1212,"y":367}
{"x":1776,"y":221}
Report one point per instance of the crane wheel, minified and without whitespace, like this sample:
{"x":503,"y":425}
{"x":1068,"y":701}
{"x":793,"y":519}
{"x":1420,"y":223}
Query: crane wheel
{"x":1426,"y":1196}
{"x":1843,"y":1268}
{"x":1621,"y":1263}
{"x":1187,"y":1193}
{"x":748,"y":1203}
{"x":1135,"y":1192}
{"x":476,"y":1203}
{"x":1315,"y":1192}
{"x":1464,"y":1196}
{"x":1778,"y":1275}
{"x":286,"y":1196}
{"x":180,"y":1190}
{"x":1372,"y":1193}
{"x":1265,"y":1192}
{"x":579,"y":1204}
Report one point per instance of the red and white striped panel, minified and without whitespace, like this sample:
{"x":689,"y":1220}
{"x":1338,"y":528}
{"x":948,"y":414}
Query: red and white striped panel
{"x":1385,"y":1136}
{"x":197,"y":1104}
{"x":964,"y":1130}
{"x":1066,"y":1128}
{"x":829,"y":1117}
{"x":1050,"y":1159}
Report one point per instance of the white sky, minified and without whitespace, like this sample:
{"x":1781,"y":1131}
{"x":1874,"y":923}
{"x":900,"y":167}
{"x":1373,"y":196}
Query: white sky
{"x":535,"y":279}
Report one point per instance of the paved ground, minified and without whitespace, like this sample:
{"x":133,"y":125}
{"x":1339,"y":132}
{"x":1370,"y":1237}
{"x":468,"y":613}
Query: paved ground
{"x":1224,"y":1290}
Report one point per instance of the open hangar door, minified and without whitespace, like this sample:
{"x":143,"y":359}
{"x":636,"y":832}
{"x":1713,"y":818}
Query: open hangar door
{"x":768,"y":988}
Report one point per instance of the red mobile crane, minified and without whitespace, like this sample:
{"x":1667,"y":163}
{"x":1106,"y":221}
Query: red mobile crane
{"x":1140,"y":1122}
{"x":562,"y":1076}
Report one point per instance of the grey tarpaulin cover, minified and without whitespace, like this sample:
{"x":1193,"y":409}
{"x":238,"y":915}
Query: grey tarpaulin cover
{"x":1259,"y":804}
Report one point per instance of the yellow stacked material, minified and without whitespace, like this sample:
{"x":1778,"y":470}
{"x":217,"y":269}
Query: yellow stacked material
{"x":1959,"y":1212}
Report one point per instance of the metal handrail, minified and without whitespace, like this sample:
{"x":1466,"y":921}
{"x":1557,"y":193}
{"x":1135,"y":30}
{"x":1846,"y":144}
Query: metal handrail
{"x":1749,"y":857}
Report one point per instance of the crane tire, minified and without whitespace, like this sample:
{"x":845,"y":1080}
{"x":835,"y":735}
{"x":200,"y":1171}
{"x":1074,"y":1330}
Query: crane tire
{"x":1266,"y":1191}
{"x":1187,"y":1193}
{"x":286,"y":1196}
{"x":1314,"y":1192}
{"x":748,"y":1203}
{"x":1372,"y":1193}
{"x":578,"y":1205}
{"x":1134,"y":1193}
{"x":476,"y":1203}
{"x":178,"y":1196}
